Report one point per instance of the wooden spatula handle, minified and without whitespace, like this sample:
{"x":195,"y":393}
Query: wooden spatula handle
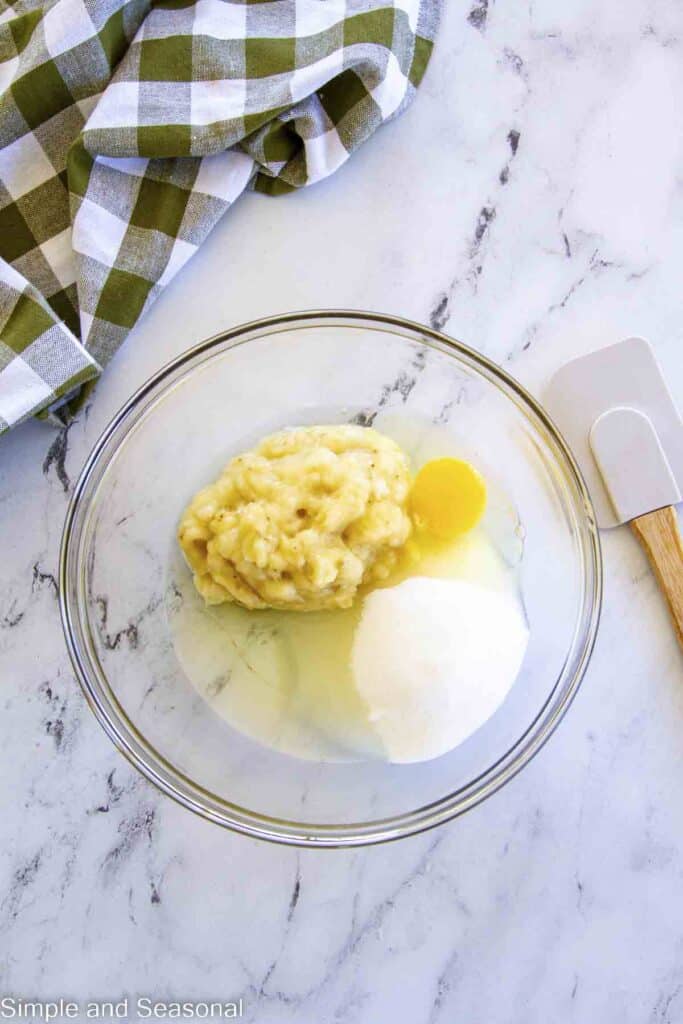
{"x":659,"y":534}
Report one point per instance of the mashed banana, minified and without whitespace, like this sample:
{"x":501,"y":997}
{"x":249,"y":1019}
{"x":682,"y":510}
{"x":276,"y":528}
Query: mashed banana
{"x":301,"y":521}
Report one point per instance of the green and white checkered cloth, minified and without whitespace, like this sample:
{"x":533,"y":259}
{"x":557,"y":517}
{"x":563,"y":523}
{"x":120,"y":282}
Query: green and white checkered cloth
{"x":127,"y":129}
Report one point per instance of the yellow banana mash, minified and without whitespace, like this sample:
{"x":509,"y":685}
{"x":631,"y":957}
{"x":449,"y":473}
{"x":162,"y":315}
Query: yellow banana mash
{"x":302,"y":521}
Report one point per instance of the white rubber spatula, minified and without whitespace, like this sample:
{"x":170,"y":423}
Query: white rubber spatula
{"x":619,"y":419}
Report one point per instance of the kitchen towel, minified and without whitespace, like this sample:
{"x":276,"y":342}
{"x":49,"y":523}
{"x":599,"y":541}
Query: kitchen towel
{"x":127,"y":129}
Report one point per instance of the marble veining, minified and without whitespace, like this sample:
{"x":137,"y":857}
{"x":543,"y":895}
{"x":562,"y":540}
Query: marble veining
{"x":529,"y":203}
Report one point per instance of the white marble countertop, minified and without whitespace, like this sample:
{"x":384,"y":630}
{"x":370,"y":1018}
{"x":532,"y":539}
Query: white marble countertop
{"x":530,"y":203}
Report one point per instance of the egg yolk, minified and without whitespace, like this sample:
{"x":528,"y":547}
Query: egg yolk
{"x":448,"y":498}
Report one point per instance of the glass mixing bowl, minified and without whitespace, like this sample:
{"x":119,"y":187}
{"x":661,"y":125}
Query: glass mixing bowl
{"x":174,"y":435}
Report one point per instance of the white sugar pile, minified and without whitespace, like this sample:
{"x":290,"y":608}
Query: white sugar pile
{"x":433,"y":659}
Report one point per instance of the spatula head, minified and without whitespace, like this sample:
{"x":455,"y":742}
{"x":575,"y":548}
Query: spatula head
{"x":632,"y":463}
{"x":625,"y":375}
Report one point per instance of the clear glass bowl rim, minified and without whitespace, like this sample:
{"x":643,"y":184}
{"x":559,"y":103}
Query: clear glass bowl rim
{"x":133,"y":745}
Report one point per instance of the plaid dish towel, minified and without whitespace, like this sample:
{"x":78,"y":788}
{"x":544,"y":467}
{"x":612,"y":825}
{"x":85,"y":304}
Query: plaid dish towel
{"x":127,"y":129}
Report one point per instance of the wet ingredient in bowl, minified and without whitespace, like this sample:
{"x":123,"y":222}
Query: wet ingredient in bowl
{"x":302,"y":521}
{"x":285,"y":678}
